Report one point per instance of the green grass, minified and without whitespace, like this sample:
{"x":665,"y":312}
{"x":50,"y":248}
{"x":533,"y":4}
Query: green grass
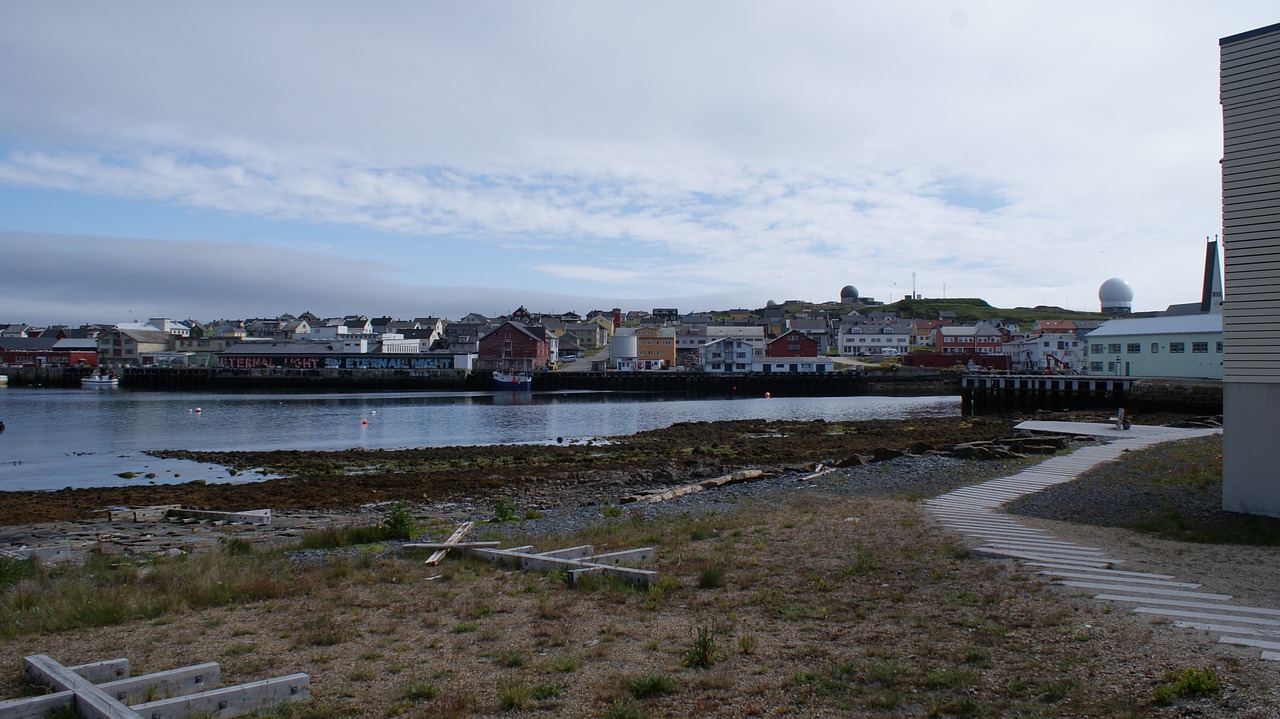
{"x":335,"y":537}
{"x":112,"y":590}
{"x":1188,"y":683}
{"x":651,"y":684}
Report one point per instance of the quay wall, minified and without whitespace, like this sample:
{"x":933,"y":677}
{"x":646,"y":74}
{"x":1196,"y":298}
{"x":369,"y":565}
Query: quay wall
{"x":46,"y":376}
{"x":982,"y":393}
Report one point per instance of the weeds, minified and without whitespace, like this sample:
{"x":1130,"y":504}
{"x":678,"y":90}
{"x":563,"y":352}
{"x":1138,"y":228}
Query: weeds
{"x":419,"y":690}
{"x":514,"y":695}
{"x":397,"y":522}
{"x":1189,"y":682}
{"x":704,"y":653}
{"x":623,"y":709}
{"x":650,"y":684}
{"x":711,"y":578}
{"x":504,"y":510}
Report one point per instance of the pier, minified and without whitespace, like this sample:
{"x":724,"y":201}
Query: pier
{"x":989,"y":393}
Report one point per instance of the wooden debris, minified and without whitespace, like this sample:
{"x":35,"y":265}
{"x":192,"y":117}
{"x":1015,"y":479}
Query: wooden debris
{"x":143,"y":514}
{"x":577,"y":561}
{"x":160,"y":512}
{"x":674,"y":492}
{"x":816,"y":474}
{"x":250,"y":516}
{"x":454,"y":538}
{"x":101,"y":690}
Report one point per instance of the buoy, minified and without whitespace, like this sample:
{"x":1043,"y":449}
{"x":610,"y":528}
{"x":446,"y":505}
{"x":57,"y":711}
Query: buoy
{"x":767,"y":395}
{"x":364,"y":421}
{"x":197,"y":410}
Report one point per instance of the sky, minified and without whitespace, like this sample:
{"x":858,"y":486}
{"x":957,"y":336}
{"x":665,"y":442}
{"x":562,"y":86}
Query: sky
{"x":409,"y":159}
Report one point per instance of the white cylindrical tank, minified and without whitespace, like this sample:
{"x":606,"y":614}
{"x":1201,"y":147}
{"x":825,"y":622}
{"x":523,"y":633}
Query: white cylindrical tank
{"x":623,"y":346}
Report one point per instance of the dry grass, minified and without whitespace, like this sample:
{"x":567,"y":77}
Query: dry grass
{"x":818,"y":606}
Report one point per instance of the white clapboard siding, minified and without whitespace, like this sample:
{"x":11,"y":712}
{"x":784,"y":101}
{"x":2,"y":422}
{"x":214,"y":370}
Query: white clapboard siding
{"x":1250,"y":91}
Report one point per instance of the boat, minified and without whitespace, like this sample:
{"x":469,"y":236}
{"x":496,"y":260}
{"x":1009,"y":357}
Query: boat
{"x":4,"y":379}
{"x":511,"y":380}
{"x":100,"y":379}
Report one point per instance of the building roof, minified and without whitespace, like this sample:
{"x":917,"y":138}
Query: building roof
{"x":1168,"y":325}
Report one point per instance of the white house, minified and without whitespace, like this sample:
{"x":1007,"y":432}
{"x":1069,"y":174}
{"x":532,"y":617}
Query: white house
{"x":728,"y":354}
{"x":1170,"y":346}
{"x":860,"y":335}
{"x":1048,"y":351}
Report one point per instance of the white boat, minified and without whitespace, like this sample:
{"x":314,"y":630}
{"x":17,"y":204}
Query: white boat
{"x":100,"y":379}
{"x":4,"y":379}
{"x":511,"y":381}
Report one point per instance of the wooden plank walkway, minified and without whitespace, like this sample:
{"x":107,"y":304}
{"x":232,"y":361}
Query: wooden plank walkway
{"x":975,"y":513}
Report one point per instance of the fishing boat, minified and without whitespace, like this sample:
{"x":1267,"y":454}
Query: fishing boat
{"x":100,"y":379}
{"x":511,"y":380}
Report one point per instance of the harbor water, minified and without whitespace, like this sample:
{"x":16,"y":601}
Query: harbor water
{"x":58,"y":438}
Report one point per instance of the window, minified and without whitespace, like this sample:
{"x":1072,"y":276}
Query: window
{"x":1134,"y":348}
{"x":1219,"y":347}
{"x":1095,"y":366}
{"x":1095,"y":349}
{"x":1199,"y":347}
{"x":1111,"y":366}
{"x":1155,"y":348}
{"x":1114,"y":348}
{"x":1177,"y":347}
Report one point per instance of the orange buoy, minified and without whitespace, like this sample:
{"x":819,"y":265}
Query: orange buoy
{"x":364,"y":421}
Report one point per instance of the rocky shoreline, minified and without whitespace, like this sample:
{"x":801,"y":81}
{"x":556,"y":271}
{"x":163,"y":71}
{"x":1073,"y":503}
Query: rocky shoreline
{"x":902,"y":458}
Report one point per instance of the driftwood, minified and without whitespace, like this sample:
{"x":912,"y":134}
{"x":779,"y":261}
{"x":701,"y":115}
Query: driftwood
{"x":674,"y":492}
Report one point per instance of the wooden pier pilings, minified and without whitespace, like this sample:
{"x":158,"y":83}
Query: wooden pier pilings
{"x":982,"y":393}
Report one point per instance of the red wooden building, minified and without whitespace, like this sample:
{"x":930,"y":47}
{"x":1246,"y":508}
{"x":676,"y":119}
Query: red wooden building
{"x":792,"y":344}
{"x":47,"y":351}
{"x":513,"y":346}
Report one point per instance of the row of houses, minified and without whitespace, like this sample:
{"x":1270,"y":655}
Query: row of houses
{"x":1177,"y":345}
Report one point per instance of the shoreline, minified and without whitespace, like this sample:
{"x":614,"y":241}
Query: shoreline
{"x":539,"y":475}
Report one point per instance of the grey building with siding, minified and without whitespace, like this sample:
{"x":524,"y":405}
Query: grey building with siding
{"x":1250,"y":94}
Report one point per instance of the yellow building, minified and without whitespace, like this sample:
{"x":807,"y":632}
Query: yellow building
{"x":656,"y":343}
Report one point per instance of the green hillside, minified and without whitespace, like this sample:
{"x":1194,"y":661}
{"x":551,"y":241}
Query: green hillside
{"x":968,"y":309}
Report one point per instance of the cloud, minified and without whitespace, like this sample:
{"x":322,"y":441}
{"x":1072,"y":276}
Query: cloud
{"x":652,"y":150}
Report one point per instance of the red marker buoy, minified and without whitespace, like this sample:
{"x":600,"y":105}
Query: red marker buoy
{"x":364,"y":421}
{"x":767,"y":395}
{"x":197,"y":410}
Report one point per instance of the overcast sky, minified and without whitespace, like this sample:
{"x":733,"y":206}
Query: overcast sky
{"x":236,"y":159}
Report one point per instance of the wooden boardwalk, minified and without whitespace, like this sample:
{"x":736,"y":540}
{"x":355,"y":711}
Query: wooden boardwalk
{"x":975,"y":512}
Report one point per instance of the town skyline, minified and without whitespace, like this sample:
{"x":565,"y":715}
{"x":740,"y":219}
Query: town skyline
{"x":194,"y":161}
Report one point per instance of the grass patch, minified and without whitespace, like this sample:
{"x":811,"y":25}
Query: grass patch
{"x":704,"y":653}
{"x":651,"y":684}
{"x":1188,"y":683}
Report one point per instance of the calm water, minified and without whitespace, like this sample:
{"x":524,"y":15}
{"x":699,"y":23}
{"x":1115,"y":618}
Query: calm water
{"x":83,"y":438}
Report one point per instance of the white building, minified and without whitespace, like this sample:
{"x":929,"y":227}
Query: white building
{"x":727,"y":354}
{"x":862,"y":336}
{"x":1048,"y":351}
{"x":794,"y":365}
{"x":1250,"y":96}
{"x":1174,"y":346}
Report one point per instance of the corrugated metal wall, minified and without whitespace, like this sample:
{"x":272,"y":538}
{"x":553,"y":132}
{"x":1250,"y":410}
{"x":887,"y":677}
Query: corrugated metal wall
{"x":1251,"y":204}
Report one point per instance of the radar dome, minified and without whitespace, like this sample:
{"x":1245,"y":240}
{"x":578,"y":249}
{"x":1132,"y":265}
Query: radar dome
{"x":1115,"y":295}
{"x":771,"y":303}
{"x":849,"y":294}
